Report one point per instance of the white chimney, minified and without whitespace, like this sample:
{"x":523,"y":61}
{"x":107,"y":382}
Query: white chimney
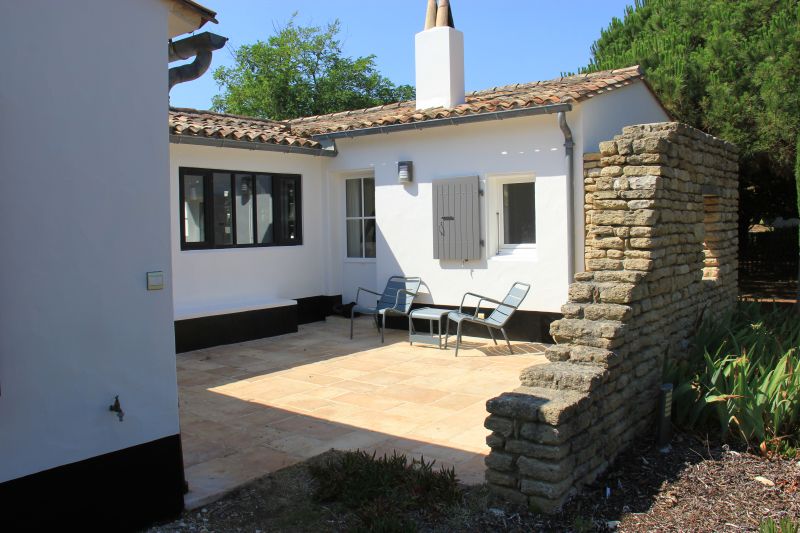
{"x":440,"y":61}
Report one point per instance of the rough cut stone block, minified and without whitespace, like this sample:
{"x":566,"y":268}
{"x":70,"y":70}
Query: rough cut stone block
{"x":539,"y":451}
{"x":501,"y":426}
{"x":621,"y":293}
{"x":544,"y":489}
{"x":563,"y":376}
{"x":503,"y":479}
{"x":607,"y":312}
{"x":508,"y":494}
{"x":558,"y":352}
{"x":608,"y":148}
{"x":494,"y":440}
{"x":552,"y":471}
{"x":502,"y":462}
{"x":544,"y":434}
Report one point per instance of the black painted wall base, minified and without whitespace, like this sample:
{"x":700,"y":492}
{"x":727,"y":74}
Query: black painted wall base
{"x":316,"y":308}
{"x":209,"y":331}
{"x":527,"y":326}
{"x":125,"y":490}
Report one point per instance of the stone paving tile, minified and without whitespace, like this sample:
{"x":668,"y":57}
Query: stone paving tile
{"x":251,"y":408}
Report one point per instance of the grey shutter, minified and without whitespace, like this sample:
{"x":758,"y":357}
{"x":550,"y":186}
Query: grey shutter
{"x":456,"y":219}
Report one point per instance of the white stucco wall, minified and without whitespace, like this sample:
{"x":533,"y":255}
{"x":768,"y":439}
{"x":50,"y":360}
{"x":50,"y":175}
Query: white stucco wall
{"x":532,"y":146}
{"x":604,"y":116}
{"x":84,"y":203}
{"x":240,"y":276}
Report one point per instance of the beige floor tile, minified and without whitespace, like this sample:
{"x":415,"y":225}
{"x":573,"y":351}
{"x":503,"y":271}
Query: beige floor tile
{"x":250,"y":408}
{"x":368,"y":401}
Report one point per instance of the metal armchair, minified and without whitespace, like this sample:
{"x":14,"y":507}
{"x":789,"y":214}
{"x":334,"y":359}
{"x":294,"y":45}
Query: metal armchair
{"x":496,"y":320}
{"x":396,"y":299}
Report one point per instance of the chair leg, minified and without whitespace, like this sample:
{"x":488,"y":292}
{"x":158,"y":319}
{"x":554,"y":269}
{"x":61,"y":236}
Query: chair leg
{"x":383,"y":327}
{"x":506,"y":338}
{"x":447,"y":333}
{"x":491,"y":334}
{"x":352,"y":317}
{"x":458,"y":337}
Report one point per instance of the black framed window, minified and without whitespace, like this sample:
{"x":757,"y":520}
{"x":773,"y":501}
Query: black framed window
{"x":230,"y":209}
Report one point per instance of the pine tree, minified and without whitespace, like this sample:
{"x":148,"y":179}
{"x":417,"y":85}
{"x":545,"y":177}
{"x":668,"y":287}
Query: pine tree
{"x":728,"y":68}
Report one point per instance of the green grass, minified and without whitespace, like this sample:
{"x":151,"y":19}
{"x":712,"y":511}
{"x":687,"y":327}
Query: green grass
{"x":786,"y":525}
{"x":742,"y":377}
{"x":382,"y":491}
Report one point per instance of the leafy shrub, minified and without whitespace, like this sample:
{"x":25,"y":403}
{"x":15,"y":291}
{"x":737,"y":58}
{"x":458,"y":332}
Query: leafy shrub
{"x":743,"y":376}
{"x":381,"y":490}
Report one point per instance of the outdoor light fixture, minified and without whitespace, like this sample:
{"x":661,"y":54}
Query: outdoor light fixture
{"x":405,"y":172}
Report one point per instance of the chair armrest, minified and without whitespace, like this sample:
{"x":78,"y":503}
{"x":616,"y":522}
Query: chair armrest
{"x":358,"y":294}
{"x":397,"y":297}
{"x":463,"y":299}
{"x":491,"y":300}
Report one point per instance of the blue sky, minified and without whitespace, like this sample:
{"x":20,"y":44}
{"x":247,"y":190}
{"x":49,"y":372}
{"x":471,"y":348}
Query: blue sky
{"x":506,"y":42}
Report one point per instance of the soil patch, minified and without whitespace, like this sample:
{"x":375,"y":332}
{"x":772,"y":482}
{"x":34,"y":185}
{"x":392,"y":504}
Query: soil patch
{"x":697,"y":486}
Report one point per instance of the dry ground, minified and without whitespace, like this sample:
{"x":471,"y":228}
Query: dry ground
{"x":695,"y":487}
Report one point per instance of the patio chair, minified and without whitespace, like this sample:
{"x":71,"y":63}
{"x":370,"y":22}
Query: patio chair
{"x":396,"y":299}
{"x":496,"y":320}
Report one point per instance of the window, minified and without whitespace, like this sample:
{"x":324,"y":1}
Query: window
{"x":223,"y":209}
{"x":516,"y":215}
{"x":360,"y":217}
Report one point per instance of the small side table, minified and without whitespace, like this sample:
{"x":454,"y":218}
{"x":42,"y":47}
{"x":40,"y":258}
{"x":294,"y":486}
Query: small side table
{"x":431,"y":314}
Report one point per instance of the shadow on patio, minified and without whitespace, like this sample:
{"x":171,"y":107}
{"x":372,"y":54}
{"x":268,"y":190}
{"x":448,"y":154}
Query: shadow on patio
{"x":252,"y":408}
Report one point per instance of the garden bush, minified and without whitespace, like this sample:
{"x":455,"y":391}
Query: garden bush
{"x":380,"y":490}
{"x":742,"y":377}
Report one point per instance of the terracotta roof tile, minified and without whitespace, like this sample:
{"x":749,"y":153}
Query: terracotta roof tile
{"x":298,"y":132}
{"x":571,"y":89}
{"x":195,"y":123}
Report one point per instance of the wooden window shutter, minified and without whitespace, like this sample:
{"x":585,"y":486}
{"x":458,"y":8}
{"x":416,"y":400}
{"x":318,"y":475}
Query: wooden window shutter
{"x":456,"y":219}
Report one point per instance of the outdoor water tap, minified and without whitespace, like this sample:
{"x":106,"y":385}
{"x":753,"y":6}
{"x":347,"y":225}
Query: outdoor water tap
{"x":117,"y":408}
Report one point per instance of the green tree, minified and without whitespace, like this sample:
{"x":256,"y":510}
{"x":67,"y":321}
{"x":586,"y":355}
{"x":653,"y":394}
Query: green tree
{"x":728,"y":68}
{"x":797,"y":185}
{"x":300,"y":71}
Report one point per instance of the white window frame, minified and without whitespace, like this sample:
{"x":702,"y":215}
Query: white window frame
{"x":496,"y":214}
{"x":363,"y":258}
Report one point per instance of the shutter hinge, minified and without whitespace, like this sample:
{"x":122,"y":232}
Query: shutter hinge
{"x":480,"y":192}
{"x":483,"y":243}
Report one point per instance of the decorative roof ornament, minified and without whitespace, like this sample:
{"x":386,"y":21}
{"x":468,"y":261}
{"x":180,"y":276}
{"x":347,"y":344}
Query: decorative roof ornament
{"x":430,"y":16}
{"x":444,"y":15}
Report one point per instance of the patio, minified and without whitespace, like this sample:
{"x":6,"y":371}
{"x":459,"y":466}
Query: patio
{"x":252,"y":408}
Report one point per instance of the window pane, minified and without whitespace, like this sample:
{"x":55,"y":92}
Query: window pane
{"x":355,"y":239}
{"x":369,"y":197}
{"x":223,"y":209}
{"x":288,"y":198}
{"x":519,"y":218}
{"x":353,"y":188}
{"x":264,"y":216}
{"x":194,"y":209}
{"x":244,"y":209}
{"x":369,"y":238}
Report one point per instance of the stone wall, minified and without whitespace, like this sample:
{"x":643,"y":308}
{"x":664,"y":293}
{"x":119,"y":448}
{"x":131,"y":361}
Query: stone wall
{"x":661,"y":243}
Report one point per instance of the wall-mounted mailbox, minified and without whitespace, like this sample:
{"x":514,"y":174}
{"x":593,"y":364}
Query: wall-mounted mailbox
{"x":155,"y":281}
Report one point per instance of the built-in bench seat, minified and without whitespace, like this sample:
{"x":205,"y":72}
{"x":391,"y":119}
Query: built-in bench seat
{"x":219,"y":323}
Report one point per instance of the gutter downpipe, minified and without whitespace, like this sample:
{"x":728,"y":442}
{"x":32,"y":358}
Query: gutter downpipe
{"x":569,"y":148}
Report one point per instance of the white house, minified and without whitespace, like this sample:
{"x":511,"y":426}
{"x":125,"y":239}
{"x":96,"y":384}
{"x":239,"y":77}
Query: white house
{"x":120,"y":239}
{"x":330,"y":212}
{"x":84,"y":203}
